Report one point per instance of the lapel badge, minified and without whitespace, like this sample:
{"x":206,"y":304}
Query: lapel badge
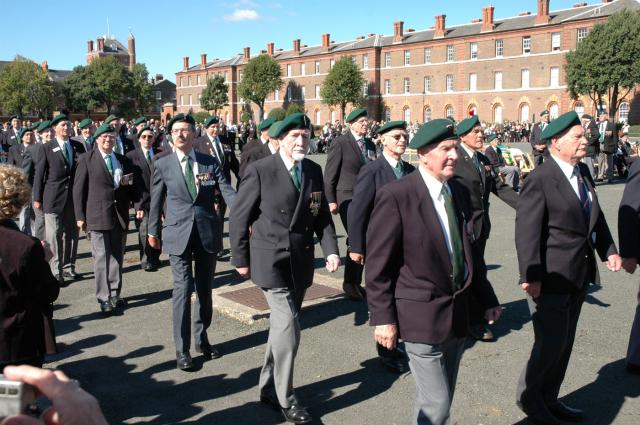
{"x":316,"y":199}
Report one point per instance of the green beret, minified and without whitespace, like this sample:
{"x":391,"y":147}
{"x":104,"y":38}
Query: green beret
{"x":265,"y":124}
{"x":543,"y":113}
{"x":211,"y":120}
{"x":22,"y":131}
{"x":85,"y":123}
{"x":274,"y":129}
{"x":180,"y":118}
{"x":43,"y":126}
{"x":435,"y":131}
{"x":110,"y":118}
{"x":355,"y":114}
{"x":292,"y":122}
{"x":560,"y":124}
{"x":143,"y":129}
{"x":492,"y":137}
{"x":104,"y":128}
{"x":392,"y":125}
{"x":58,"y":118}
{"x":139,"y":121}
{"x":467,"y":125}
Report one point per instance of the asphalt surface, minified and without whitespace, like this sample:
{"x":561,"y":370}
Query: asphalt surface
{"x":128,"y":361}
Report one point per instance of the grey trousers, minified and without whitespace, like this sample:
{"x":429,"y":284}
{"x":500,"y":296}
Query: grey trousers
{"x":282,"y":345}
{"x":184,"y":284}
{"x":38,"y":224}
{"x":107,"y":248}
{"x":148,"y":255}
{"x":435,"y":369}
{"x":554,"y":318}
{"x":26,"y":220}
{"x":58,"y":227}
{"x":633,"y":352}
{"x":511,"y":175}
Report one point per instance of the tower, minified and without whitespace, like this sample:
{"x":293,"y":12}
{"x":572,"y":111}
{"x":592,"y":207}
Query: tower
{"x":132,"y":50}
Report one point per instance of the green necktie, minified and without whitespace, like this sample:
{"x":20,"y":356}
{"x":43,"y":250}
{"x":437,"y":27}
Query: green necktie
{"x":189,"y":179}
{"x":457,"y":254}
{"x":107,"y":159}
{"x":398,"y":170}
{"x":294,"y":176}
{"x":476,"y":162}
{"x":67,"y":156}
{"x":148,"y":155}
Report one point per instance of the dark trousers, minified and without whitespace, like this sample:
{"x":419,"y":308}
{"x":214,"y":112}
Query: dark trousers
{"x":184,"y":284}
{"x":222,"y":210}
{"x":148,"y":255}
{"x":352,"y":270}
{"x":476,"y":310}
{"x":554,"y":318}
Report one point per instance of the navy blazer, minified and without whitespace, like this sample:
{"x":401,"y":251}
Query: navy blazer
{"x":629,"y":215}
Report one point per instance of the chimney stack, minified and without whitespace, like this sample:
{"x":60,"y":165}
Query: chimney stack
{"x":246,"y":53}
{"x":270,"y":49}
{"x":101,"y":44}
{"x":440,"y":26}
{"x":203,"y":59}
{"x":398,"y":31}
{"x":543,"y":12}
{"x":487,"y":19}
{"x":89,"y":46}
{"x":159,"y":77}
{"x":296,"y":46}
{"x":45,"y":66}
{"x":185,"y":63}
{"x":326,"y":41}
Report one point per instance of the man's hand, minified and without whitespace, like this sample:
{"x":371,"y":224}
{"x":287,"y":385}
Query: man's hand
{"x":244,"y":272}
{"x":153,"y":241}
{"x":533,"y":288}
{"x":386,"y":335}
{"x":333,"y":208}
{"x":37,"y":205}
{"x":333,"y":262}
{"x":81,"y":225}
{"x":492,"y":315}
{"x":357,"y":258}
{"x":541,"y":147}
{"x":614,"y":263}
{"x":139,"y":214}
{"x":629,"y":264}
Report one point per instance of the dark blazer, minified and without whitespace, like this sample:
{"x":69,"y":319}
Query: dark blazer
{"x":229,"y":162}
{"x":554,"y":243}
{"x":610,"y":144}
{"x":629,"y":215}
{"x":87,"y":143}
{"x":593,"y":136}
{"x":535,"y":136}
{"x":30,"y":159}
{"x":258,"y":151}
{"x":494,"y":156}
{"x":344,"y":161}
{"x":53,"y":181}
{"x":4,"y":153}
{"x":409,"y":274}
{"x":480,"y":186}
{"x":182,"y":212}
{"x":16,"y":155}
{"x":370,"y":180}
{"x":10,"y":137}
{"x":128,"y":144}
{"x":27,"y":289}
{"x":279,"y":248}
{"x":95,"y":199}
{"x":143,"y":171}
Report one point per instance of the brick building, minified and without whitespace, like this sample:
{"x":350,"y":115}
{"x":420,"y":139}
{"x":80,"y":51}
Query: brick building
{"x":503,"y":69}
{"x":108,"y":46}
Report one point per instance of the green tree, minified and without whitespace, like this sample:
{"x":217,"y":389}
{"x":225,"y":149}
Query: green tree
{"x":26,"y":87}
{"x":215,"y":96}
{"x":141,"y":89}
{"x":278,"y":114}
{"x":261,"y":78}
{"x":343,"y":85}
{"x":295,"y":108}
{"x":606,"y":64}
{"x":110,"y":81}
{"x":78,"y":91}
{"x":199,"y":117}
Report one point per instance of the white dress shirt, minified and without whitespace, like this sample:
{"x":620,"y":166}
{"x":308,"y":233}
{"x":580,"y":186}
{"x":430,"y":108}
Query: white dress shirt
{"x":567,"y":170}
{"x":115,"y":165}
{"x":61,"y":143}
{"x":144,"y":152}
{"x":289,"y":164}
{"x":392,"y":161}
{"x":435,"y":192}
{"x":272,"y":149}
{"x":194,"y":164}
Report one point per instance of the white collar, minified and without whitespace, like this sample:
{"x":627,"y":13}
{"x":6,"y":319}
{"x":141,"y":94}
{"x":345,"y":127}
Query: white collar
{"x":181,"y":155}
{"x":355,"y":136}
{"x":287,"y":162}
{"x":468,"y":150}
{"x":392,"y":161}
{"x":567,"y":169}
{"x":263,"y":141}
{"x":433,"y":184}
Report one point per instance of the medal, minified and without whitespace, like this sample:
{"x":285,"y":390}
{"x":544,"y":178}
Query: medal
{"x":316,"y":199}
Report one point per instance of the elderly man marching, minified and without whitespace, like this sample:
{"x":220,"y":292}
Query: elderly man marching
{"x":271,"y":234}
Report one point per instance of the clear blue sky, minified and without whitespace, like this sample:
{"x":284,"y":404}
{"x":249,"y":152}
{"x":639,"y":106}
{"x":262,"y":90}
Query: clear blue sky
{"x":58,"y":31}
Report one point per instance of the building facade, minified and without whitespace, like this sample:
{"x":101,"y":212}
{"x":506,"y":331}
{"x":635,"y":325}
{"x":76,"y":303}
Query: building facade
{"x":505,"y":69}
{"x":109,"y":46}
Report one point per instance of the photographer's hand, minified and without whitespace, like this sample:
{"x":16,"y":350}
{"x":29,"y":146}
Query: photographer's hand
{"x":71,"y":404}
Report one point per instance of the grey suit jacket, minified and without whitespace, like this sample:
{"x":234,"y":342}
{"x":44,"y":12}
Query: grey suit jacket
{"x":183,"y":213}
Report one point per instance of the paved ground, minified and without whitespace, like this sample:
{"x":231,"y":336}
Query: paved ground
{"x":128,"y":361}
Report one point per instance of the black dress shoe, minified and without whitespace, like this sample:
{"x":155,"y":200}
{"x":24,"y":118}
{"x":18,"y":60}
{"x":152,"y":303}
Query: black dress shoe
{"x":633,"y":368}
{"x":540,"y":417}
{"x":117,"y":302}
{"x":271,"y":400}
{"x":296,"y":414}
{"x":71,"y":274}
{"x":61,"y":281}
{"x":566,"y":413}
{"x":208,"y":351}
{"x":353,"y":291}
{"x":106,"y":307}
{"x":184,"y":361}
{"x":150,"y":268}
{"x":481,"y":333}
{"x":398,"y":366}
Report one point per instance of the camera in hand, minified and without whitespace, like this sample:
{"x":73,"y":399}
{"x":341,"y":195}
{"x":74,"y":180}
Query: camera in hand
{"x":15,"y":398}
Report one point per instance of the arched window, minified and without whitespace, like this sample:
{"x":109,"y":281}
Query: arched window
{"x":427,"y":113}
{"x":579,"y":108}
{"x":524,"y":112}
{"x":406,"y":114}
{"x":623,"y":112}
{"x":497,"y":114}
{"x":554,"y":110}
{"x":448,"y":111}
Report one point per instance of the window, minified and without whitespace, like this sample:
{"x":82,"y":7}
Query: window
{"x":158,"y":95}
{"x":497,"y":80}
{"x":553,"y":111}
{"x":318,"y":120}
{"x":289,"y":70}
{"x":303,"y":93}
{"x":190,"y":100}
{"x":473,"y":50}
{"x":450,"y":53}
{"x":526,"y":45}
{"x":427,"y":84}
{"x":331,"y":63}
{"x":427,"y":114}
{"x":289,"y":93}
{"x":448,"y":111}
{"x":333,"y":116}
{"x":555,"y":76}
{"x":181,"y":81}
{"x":198,"y":79}
{"x":225,"y":77}
{"x":365,"y":88}
{"x":317,"y":63}
{"x":387,"y":60}
{"x":524,"y":78}
{"x":276,"y":95}
{"x":387,"y":86}
{"x":181,"y":100}
{"x":582,"y":34}
{"x":240,"y":76}
{"x":524,"y":112}
{"x":302,"y":69}
{"x":407,"y":57}
{"x":497,"y":114}
{"x":499,"y":48}
{"x":623,"y":112}
{"x":407,"y":86}
{"x":407,"y":114}
{"x":579,"y":108}
{"x":473,"y":82}
{"x":555,"y":42}
{"x":317,"y":91}
{"x":387,"y":114}
{"x":449,"y":82}
{"x":427,"y":55}
{"x":365,"y":61}
{"x":199,"y":96}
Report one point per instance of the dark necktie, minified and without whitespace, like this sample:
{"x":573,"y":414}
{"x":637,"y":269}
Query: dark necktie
{"x":107,"y":159}
{"x":585,"y":202}
{"x":295,"y":177}
{"x":457,"y":250}
{"x":476,"y":162}
{"x":67,"y":156}
{"x":189,"y":178}
{"x":219,"y":150}
{"x":148,"y":156}
{"x":398,"y":170}
{"x":362,"y":150}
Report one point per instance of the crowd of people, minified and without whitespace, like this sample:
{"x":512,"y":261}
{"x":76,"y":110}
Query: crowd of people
{"x":416,"y":235}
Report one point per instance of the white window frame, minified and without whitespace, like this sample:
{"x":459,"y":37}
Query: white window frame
{"x":525,"y":78}
{"x":427,"y":55}
{"x":365,"y":61}
{"x":449,"y":84}
{"x":317,"y":67}
{"x":406,"y":86}
{"x":303,"y":69}
{"x":289,"y":70}
{"x":554,"y":76}
{"x":526,"y":45}
{"x":387,"y":59}
{"x":407,"y":57}
{"x":450,"y":53}
{"x":473,"y":51}
{"x":387,"y":86}
{"x":497,"y":80}
{"x":499,"y":48}
{"x":473,"y":81}
{"x":581,"y":34}
{"x":317,"y":91}
{"x":556,"y":41}
{"x":427,"y":84}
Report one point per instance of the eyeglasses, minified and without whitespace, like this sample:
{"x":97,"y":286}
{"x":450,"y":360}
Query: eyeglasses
{"x":397,"y":137}
{"x":180,"y":130}
{"x":146,"y":136}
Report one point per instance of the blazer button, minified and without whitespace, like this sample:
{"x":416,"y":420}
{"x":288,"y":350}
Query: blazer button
{"x":307,"y":247}
{"x":286,"y":249}
{"x":282,"y":211}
